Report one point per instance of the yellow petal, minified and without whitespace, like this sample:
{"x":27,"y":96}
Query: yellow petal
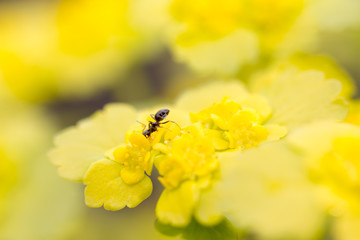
{"x":265,"y":189}
{"x":175,"y":207}
{"x":259,"y":103}
{"x":131,"y":176}
{"x":218,"y":140}
{"x":161,"y":147}
{"x":217,"y":57}
{"x":112,"y":22}
{"x":198,"y":99}
{"x":207,"y":211}
{"x":260,"y":132}
{"x":329,"y":67}
{"x":317,"y":138}
{"x":299,"y":97}
{"x":77,"y":147}
{"x":275,"y":132}
{"x":118,"y":118}
{"x":119,"y":154}
{"x":105,"y":187}
{"x":195,"y":130}
{"x":148,"y":163}
{"x":245,"y":117}
{"x":332,"y":152}
{"x":171,"y":131}
{"x":220,"y":122}
{"x":138,"y":139}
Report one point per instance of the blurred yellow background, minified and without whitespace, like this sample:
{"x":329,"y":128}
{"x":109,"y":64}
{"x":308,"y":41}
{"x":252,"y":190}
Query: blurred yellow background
{"x":61,"y":60}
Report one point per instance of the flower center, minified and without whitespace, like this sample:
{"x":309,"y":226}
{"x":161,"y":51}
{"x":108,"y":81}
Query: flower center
{"x":190,"y":156}
{"x":135,"y":158}
{"x":230,"y":125}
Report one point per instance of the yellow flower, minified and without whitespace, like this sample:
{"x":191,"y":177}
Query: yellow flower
{"x":341,"y":167}
{"x":122,"y":181}
{"x":90,"y":153}
{"x":189,"y":156}
{"x":109,"y":153}
{"x":235,"y":117}
{"x":223,"y":37}
{"x":300,"y":97}
{"x":332,"y":151}
{"x":99,"y":23}
{"x":265,"y":191}
{"x":105,"y":186}
{"x":232,"y":126}
{"x":58,"y":60}
{"x":321,"y":63}
{"x":135,"y":157}
{"x":210,"y":20}
{"x":78,"y":147}
{"x":187,"y":167}
{"x":332,"y":155}
{"x":112,"y":155}
{"x":205,"y":30}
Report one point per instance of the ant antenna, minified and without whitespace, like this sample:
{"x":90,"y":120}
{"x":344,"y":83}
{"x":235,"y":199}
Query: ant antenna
{"x":142,"y":124}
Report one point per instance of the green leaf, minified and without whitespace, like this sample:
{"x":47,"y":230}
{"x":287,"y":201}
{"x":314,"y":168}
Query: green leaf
{"x":167,"y":229}
{"x":196,"y":231}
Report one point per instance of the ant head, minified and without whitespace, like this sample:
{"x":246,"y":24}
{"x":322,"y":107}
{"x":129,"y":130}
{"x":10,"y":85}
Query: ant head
{"x":161,"y":114}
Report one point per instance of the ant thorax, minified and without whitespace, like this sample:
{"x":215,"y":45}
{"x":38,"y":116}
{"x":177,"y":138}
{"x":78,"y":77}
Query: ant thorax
{"x":153,"y":126}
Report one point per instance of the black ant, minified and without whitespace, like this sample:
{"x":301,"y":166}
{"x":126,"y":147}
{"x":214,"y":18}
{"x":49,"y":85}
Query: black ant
{"x":158,"y":117}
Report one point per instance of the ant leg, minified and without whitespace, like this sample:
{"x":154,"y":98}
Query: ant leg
{"x":152,"y":116}
{"x":165,"y":128}
{"x":172,"y":122}
{"x":142,"y":124}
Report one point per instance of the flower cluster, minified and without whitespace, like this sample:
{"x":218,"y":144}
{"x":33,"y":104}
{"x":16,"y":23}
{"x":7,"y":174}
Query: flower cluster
{"x":262,"y":142}
{"x":113,"y":155}
{"x":232,"y":126}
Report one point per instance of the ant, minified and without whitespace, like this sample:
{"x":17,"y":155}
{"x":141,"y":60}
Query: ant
{"x":158,"y":117}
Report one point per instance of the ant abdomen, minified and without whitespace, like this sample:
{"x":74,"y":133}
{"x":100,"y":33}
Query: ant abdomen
{"x":161,"y":114}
